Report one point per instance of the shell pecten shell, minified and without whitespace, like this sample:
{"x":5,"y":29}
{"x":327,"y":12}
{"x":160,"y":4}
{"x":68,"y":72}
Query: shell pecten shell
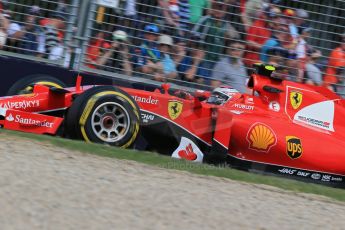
{"x":261,"y":137}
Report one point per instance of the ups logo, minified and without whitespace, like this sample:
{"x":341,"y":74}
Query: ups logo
{"x":294,"y":147}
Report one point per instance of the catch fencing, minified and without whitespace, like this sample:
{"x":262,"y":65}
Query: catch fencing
{"x":199,"y":44}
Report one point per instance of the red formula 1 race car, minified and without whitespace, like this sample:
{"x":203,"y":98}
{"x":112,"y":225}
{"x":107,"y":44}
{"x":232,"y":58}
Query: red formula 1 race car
{"x":282,"y":128}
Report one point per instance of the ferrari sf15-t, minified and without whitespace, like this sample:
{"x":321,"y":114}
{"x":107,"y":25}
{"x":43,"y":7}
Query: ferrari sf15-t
{"x":282,"y":127}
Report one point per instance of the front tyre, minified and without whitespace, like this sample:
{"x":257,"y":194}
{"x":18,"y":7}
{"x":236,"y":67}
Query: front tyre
{"x":106,"y":115}
{"x":26,"y":84}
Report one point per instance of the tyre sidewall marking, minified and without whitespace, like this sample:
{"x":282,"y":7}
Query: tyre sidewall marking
{"x":130,"y":141}
{"x":48,"y":83}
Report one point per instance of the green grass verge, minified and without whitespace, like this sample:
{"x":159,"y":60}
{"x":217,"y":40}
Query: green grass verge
{"x":202,"y":169}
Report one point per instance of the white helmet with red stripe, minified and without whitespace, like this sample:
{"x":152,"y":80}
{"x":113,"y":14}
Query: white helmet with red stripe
{"x":222,"y":94}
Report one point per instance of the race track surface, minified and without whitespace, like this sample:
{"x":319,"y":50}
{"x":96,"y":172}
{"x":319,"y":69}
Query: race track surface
{"x":45,"y":187}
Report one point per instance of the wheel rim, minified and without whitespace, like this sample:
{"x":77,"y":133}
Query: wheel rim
{"x":110,"y":122}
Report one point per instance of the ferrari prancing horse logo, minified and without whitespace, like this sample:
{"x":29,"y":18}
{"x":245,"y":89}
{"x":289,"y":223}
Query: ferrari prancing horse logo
{"x":175,"y":109}
{"x":296,"y":99}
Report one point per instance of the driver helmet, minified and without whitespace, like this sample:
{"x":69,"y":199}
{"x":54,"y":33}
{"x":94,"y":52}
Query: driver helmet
{"x":222,"y":94}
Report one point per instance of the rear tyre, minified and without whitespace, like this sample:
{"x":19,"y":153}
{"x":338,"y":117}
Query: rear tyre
{"x":26,"y":85}
{"x":104,"y":114}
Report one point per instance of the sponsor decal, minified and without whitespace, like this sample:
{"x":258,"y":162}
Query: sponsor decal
{"x":274,"y":106}
{"x":188,"y":153}
{"x":20,"y":104}
{"x":326,"y":178}
{"x":303,"y":174}
{"x":316,"y":176}
{"x":287,"y":171}
{"x":146,"y":100}
{"x":338,"y":179}
{"x":10,"y":118}
{"x":29,"y":121}
{"x":261,"y":137}
{"x":243,"y":106}
{"x":293,"y":147}
{"x":319,"y":115}
{"x":296,"y":99}
{"x":146,"y":118}
{"x":250,"y":100}
{"x":314,"y":122}
{"x":188,"y":150}
{"x":175,"y":109}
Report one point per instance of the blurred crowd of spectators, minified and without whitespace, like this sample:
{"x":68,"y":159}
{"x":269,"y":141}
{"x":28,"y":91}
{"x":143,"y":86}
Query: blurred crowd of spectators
{"x":35,"y":35}
{"x":208,"y":42}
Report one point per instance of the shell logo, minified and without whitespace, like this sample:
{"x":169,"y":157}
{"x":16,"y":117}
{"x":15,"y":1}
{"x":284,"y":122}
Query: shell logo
{"x":261,"y":137}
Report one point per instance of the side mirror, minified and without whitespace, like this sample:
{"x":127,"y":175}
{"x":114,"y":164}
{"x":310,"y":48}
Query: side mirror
{"x":201,"y":95}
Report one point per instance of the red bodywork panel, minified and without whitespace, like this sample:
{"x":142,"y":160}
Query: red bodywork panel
{"x":22,"y":111}
{"x":31,"y":122}
{"x":297,"y":127}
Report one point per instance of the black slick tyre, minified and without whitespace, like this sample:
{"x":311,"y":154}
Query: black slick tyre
{"x":104,"y":114}
{"x":25,"y":85}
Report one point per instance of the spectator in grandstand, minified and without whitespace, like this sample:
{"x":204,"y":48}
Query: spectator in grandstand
{"x":252,"y":10}
{"x":233,"y":15}
{"x":258,"y":33}
{"x":173,"y":29}
{"x":191,"y":66}
{"x":130,"y":8}
{"x":95,"y":48}
{"x":213,"y":30}
{"x":197,"y":9}
{"x":299,"y":20}
{"x":301,"y":50}
{"x":117,"y":57}
{"x":4,"y":24}
{"x":278,"y":37}
{"x":167,"y":9}
{"x":130,"y":19}
{"x":26,"y":36}
{"x":277,"y":57}
{"x":180,"y":48}
{"x":51,"y":45}
{"x":166,"y":67}
{"x":230,"y":69}
{"x":341,"y":87}
{"x":289,"y":43}
{"x":289,"y":15}
{"x":147,"y":55}
{"x":275,"y":18}
{"x":184,"y":13}
{"x":176,"y":17}
{"x":336,"y":64}
{"x":148,"y":10}
{"x":312,"y":74}
{"x":291,"y":63}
